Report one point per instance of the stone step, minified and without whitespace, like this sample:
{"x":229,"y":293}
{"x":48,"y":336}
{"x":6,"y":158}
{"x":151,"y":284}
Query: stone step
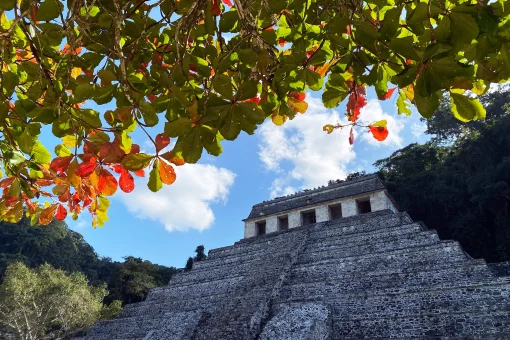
{"x":179,"y":325}
{"x":486,"y":296}
{"x":229,"y":270}
{"x":348,"y":223}
{"x":401,"y":260}
{"x":443,"y":326}
{"x":208,"y":302}
{"x":370,"y":236}
{"x":338,"y":283}
{"x":333,"y":228}
{"x":323,"y":251}
{"x":349,"y":240}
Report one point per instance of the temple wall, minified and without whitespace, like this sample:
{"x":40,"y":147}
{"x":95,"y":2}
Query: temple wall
{"x":379,"y":200}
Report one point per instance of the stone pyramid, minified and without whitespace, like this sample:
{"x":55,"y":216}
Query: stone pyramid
{"x":376,"y":275}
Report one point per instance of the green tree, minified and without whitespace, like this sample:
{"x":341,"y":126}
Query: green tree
{"x":200,"y":254}
{"x":177,"y":68}
{"x":47,"y":303}
{"x":189,"y":264}
{"x":460,"y":188}
{"x":131,"y":280}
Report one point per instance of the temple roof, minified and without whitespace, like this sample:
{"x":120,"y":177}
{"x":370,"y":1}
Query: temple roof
{"x":334,"y":190}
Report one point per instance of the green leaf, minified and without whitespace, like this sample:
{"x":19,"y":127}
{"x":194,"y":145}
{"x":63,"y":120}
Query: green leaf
{"x":4,"y":111}
{"x":402,"y":104}
{"x":149,"y":114}
{"x":426,"y":105}
{"x":223,"y":85}
{"x":247,"y":90}
{"x":9,"y":82}
{"x":463,"y":28}
{"x":48,"y":10}
{"x":466,"y":109}
{"x":62,"y":151}
{"x":25,"y":141}
{"x":438,"y":75}
{"x":416,"y":18}
{"x":391,"y":22}
{"x":229,"y":21}
{"x":312,"y":79}
{"x":89,"y":117}
{"x":332,"y":97}
{"x":7,"y":4}
{"x":189,"y":146}
{"x":83,"y":92}
{"x":40,"y":154}
{"x":248,"y":56}
{"x":155,"y":183}
{"x":178,"y":127}
{"x":136,"y":161}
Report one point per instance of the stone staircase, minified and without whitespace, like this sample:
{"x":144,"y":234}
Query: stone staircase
{"x":374,"y":276}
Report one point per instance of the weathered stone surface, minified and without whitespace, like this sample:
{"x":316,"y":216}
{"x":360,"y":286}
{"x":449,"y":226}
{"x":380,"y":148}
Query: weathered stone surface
{"x":372,"y":276}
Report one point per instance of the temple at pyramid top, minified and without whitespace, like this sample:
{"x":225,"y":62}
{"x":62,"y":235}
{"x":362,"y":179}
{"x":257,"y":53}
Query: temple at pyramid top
{"x":336,"y":200}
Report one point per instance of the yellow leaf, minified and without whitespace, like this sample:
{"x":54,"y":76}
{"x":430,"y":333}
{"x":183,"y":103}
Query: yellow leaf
{"x":75,"y":72}
{"x":70,"y":141}
{"x":278,"y":119}
{"x":328,"y":128}
{"x":381,"y":123}
{"x":409,"y":91}
{"x":297,"y":105}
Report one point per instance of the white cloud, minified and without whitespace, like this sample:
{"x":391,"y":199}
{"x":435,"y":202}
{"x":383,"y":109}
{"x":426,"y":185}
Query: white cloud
{"x":418,"y":129}
{"x":280,"y":187}
{"x":373,"y":112}
{"x":185,"y":204}
{"x":315,"y":157}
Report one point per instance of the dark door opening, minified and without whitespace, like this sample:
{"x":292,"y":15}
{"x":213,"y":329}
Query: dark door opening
{"x":308,"y":217}
{"x":261,"y":227}
{"x":283,"y":223}
{"x":335,"y":211}
{"x":364,"y":206}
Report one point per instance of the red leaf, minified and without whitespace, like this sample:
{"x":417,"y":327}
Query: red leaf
{"x":227,"y":2}
{"x":357,"y":101}
{"x":348,"y":29}
{"x":162,"y":142}
{"x":255,"y":100}
{"x":151,"y":97}
{"x":298,"y":95}
{"x":380,"y":133}
{"x":135,"y":148}
{"x":166,"y":173}
{"x":215,"y":8}
{"x":282,"y":42}
{"x":388,"y":94}
{"x":85,"y":169}
{"x":126,"y":181}
{"x":351,"y":137}
{"x":193,"y":67}
{"x":61,"y":163}
{"x":61,"y":213}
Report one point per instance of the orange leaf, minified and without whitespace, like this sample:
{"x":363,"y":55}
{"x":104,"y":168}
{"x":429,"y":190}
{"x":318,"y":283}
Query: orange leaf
{"x":388,"y":94}
{"x":61,"y":213}
{"x":380,"y":133}
{"x":351,"y":137}
{"x":162,"y":142}
{"x":140,"y":173}
{"x":322,"y":70}
{"x":173,"y":158}
{"x":107,"y":183}
{"x":47,"y":214}
{"x":126,"y":181}
{"x":282,"y":42}
{"x":166,"y":172}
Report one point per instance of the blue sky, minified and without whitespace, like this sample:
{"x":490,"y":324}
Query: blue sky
{"x":209,"y":200}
